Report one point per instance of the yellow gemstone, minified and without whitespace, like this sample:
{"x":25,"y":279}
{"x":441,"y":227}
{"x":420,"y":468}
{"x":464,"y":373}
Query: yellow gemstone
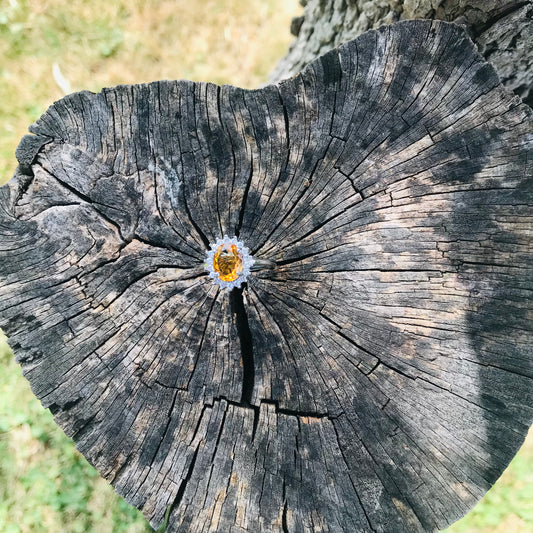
{"x":227,"y":262}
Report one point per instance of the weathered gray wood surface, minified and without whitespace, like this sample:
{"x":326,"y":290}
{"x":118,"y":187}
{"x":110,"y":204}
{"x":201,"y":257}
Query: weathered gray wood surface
{"x":501,"y":29}
{"x":380,"y":378}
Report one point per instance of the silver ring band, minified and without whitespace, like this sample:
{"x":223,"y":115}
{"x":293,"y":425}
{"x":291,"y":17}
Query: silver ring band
{"x":263,"y":264}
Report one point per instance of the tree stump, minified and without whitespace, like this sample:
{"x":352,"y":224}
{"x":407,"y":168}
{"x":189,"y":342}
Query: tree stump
{"x":374,"y":371}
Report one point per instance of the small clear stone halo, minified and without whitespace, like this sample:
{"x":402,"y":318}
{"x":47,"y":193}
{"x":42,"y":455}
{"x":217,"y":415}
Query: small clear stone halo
{"x":228,"y":262}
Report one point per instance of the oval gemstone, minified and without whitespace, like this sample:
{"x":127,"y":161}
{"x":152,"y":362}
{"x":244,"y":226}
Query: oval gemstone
{"x":227,"y":262}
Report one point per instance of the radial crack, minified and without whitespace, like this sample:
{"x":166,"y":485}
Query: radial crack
{"x":245,"y":336}
{"x":184,"y":482}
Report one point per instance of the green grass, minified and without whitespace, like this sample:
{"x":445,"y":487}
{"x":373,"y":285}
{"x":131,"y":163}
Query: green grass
{"x":46,"y":486}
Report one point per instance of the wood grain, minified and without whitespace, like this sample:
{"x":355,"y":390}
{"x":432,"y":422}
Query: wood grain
{"x":378,"y":379}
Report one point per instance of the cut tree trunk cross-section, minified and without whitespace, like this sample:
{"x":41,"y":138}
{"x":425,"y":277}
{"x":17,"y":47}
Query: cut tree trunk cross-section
{"x":373,"y":373}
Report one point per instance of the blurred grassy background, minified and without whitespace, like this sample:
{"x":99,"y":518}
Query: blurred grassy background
{"x":49,"y":47}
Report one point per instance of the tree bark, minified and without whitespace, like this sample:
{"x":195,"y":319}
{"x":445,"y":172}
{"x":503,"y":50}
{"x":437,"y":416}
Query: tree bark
{"x":501,"y":29}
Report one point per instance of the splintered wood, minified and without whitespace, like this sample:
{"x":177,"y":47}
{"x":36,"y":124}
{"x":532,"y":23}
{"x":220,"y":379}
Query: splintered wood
{"x":378,"y":379}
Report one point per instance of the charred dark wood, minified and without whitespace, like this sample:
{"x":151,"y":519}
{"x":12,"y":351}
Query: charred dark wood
{"x":379,"y":378}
